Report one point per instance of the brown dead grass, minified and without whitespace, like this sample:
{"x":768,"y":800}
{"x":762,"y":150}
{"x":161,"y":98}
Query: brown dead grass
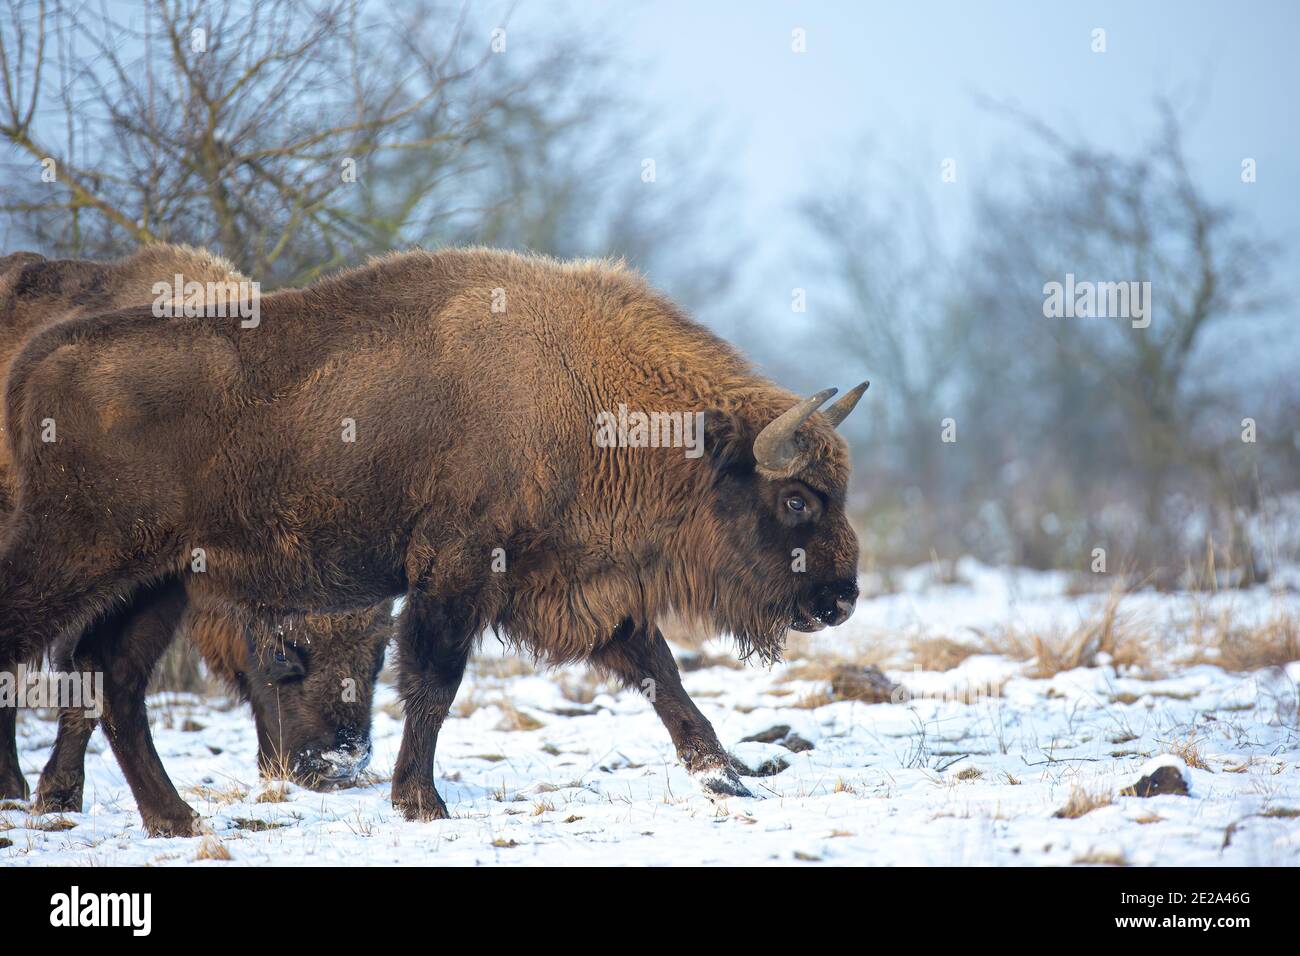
{"x":1082,"y":802}
{"x":1245,"y":647}
{"x":1188,"y":751}
{"x":502,"y":667}
{"x":277,"y":792}
{"x":1101,"y":858}
{"x":212,"y":849}
{"x":586,"y":686}
{"x":1107,"y":632}
{"x":51,"y":824}
{"x":940,"y":653}
{"x":513,"y":719}
{"x":219,"y":795}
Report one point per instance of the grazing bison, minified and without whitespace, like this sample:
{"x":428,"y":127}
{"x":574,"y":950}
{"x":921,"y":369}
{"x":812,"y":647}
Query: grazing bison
{"x":307,"y":727}
{"x":436,"y":425}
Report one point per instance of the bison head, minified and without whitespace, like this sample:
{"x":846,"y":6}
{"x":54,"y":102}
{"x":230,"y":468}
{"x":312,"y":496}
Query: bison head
{"x":310,"y":685}
{"x":773,"y":548}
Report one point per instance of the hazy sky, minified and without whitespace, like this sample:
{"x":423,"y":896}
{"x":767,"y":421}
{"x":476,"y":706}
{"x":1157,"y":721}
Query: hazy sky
{"x":908,"y":74}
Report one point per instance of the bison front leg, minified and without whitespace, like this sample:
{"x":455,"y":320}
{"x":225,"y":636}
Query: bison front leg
{"x":124,"y":650}
{"x":12,"y":782}
{"x":643,"y":662}
{"x":64,"y":776}
{"x":433,"y":642}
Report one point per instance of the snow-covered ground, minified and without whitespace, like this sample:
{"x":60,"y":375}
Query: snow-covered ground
{"x":971,"y":768}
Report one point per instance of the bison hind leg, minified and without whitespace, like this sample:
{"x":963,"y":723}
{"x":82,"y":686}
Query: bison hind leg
{"x":13,"y":785}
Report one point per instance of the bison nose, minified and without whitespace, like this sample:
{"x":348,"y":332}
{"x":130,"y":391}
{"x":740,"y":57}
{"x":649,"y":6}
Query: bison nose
{"x":839,"y":600}
{"x":347,"y":758}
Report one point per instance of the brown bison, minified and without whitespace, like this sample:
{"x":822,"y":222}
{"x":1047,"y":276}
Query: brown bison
{"x":436,"y":425}
{"x":310,"y":725}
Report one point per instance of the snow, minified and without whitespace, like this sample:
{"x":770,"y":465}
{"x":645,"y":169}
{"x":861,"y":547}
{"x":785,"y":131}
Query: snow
{"x":968,"y":768}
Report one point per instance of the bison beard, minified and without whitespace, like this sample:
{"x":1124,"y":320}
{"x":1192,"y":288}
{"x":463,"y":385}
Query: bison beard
{"x":305,"y":729}
{"x":392,"y":431}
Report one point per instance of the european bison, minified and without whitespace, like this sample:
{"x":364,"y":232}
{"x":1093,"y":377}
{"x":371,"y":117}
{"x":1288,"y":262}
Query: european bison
{"x":310,"y":724}
{"x":436,"y":425}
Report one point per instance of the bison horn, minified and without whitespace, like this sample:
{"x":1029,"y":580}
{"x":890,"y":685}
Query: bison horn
{"x":840,"y":410}
{"x":774,"y":447}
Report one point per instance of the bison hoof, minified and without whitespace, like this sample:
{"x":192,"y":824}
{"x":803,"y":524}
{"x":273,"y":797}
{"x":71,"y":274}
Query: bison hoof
{"x":177,"y":825}
{"x":719,"y":781}
{"x":14,"y":788}
{"x":57,"y":800}
{"x":420,"y":803}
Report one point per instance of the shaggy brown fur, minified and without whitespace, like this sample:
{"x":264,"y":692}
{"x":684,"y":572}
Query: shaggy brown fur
{"x":473,"y":445}
{"x":299,"y":703}
{"x":36,"y":293}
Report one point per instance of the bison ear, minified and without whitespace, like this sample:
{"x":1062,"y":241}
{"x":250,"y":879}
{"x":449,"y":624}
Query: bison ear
{"x":726,"y":443}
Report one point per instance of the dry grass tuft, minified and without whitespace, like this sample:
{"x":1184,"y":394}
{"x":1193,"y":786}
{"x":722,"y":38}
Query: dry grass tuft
{"x":1236,"y":647}
{"x":1188,"y":751}
{"x":970,"y":773}
{"x":219,"y":795}
{"x":212,"y":849}
{"x":585,"y":687}
{"x":1102,"y":858}
{"x":1106,"y":633}
{"x":501,"y":666}
{"x":818,"y":698}
{"x":939,"y":653}
{"x":513,"y":719}
{"x":51,"y":824}
{"x":1081,"y":802}
{"x":1281,"y":813}
{"x":277,"y":792}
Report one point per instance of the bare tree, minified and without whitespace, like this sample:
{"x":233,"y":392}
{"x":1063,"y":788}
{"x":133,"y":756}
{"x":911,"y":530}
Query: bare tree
{"x":295,"y":136}
{"x":1074,"y":432}
{"x":241,"y":126}
{"x":1134,"y":397}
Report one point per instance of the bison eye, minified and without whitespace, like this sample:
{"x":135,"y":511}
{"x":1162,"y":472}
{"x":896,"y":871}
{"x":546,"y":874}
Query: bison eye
{"x":796,"y":503}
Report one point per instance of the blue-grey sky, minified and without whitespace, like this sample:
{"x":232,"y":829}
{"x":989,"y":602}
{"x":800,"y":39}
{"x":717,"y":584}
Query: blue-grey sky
{"x":909,"y":74}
